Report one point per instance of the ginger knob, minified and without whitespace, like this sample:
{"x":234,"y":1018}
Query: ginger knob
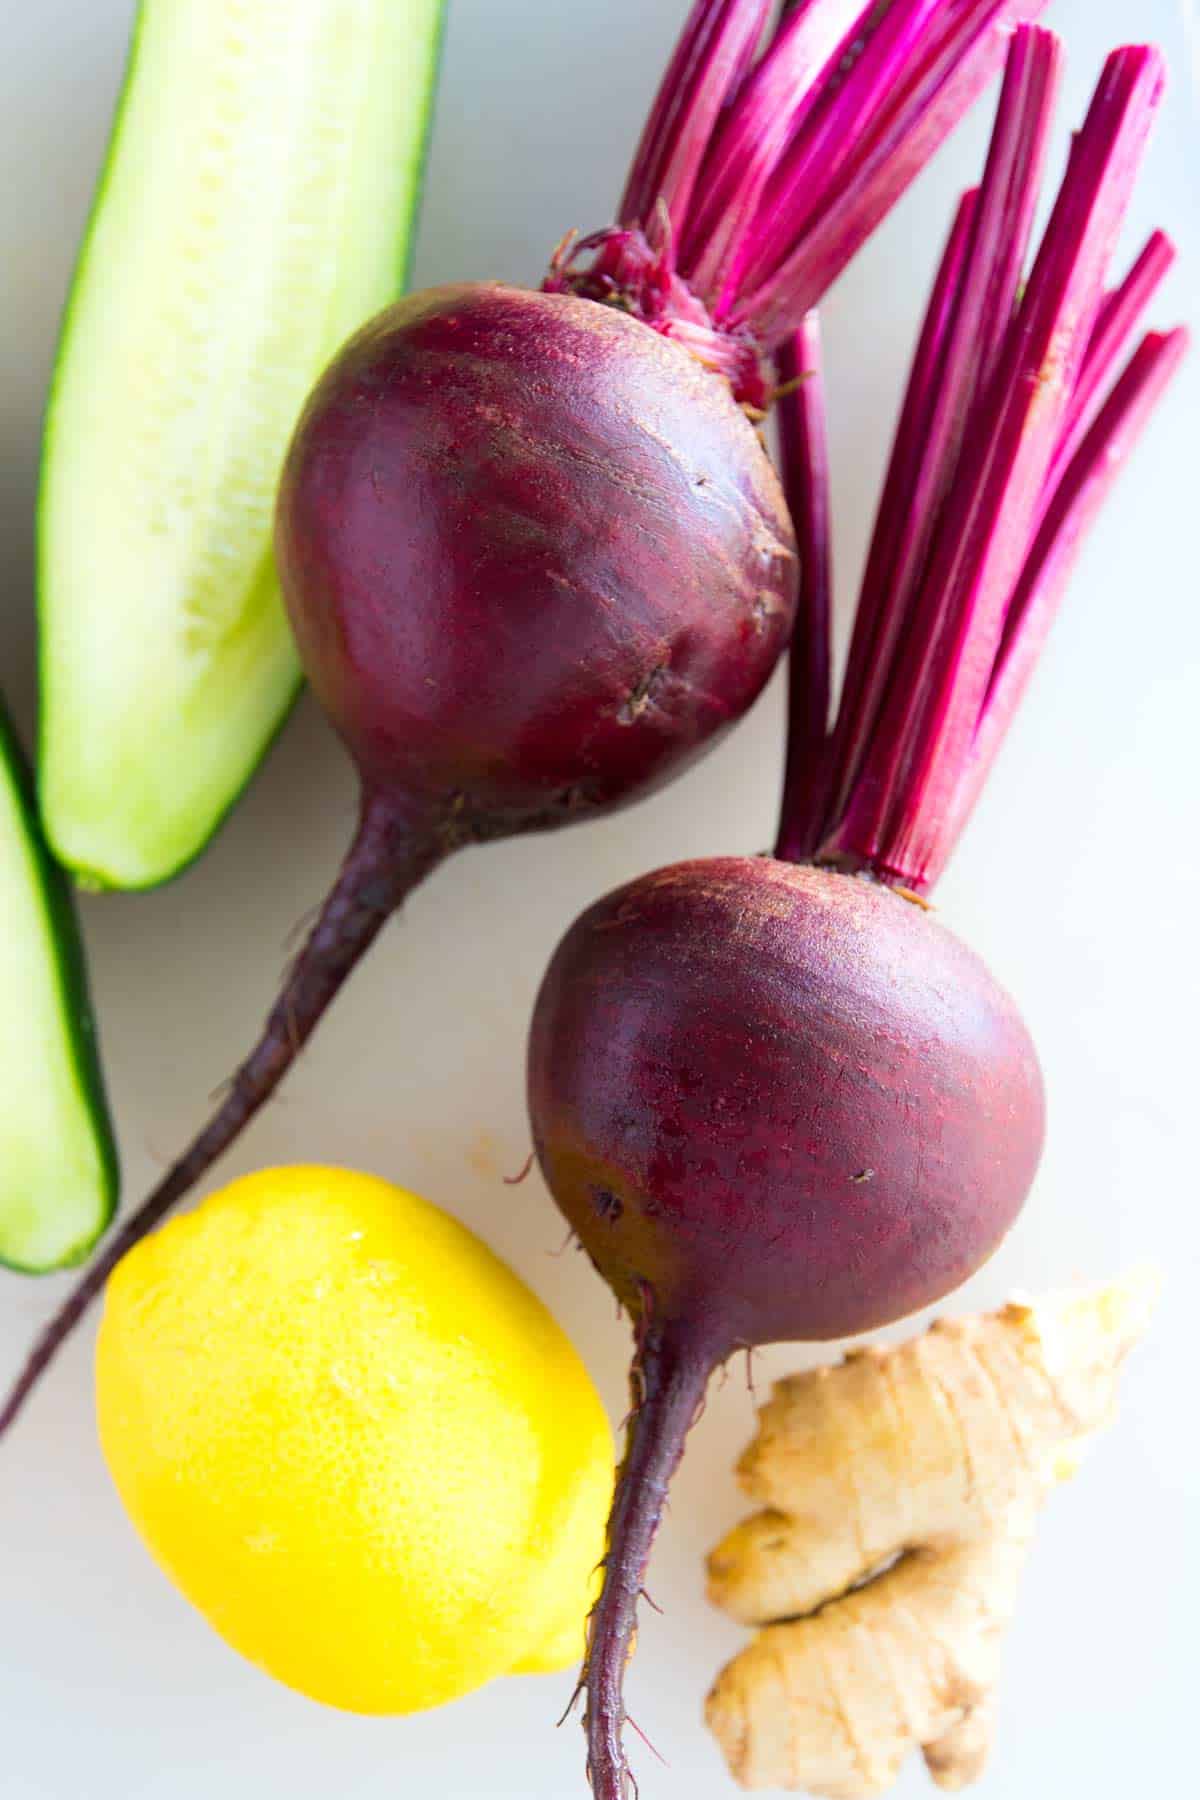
{"x":899,"y":1492}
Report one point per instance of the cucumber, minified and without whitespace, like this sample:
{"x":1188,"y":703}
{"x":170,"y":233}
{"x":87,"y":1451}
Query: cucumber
{"x":257,"y":206}
{"x":58,"y":1166}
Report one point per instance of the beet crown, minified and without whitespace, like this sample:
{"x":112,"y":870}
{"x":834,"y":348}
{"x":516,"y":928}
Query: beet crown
{"x":759,"y":176}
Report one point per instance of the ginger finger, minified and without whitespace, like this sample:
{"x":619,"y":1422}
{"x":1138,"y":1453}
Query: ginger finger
{"x":765,"y":1570}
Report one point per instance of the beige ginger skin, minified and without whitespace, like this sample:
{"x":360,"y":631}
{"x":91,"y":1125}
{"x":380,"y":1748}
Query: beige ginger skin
{"x":899,"y":1491}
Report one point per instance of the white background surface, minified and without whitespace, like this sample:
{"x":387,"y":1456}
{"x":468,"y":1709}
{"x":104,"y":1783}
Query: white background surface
{"x":1079,"y":882}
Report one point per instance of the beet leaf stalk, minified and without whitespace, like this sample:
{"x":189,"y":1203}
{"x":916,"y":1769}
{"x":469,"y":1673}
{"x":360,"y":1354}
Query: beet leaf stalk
{"x":1007,"y":444}
{"x":532,"y":550}
{"x":776,"y":1098}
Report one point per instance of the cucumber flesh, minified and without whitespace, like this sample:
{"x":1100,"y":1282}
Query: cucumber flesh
{"x":257,"y":206}
{"x":58,"y":1169}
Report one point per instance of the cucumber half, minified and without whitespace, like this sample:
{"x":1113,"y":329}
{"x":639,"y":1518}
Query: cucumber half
{"x":58,"y":1166}
{"x":257,"y":206}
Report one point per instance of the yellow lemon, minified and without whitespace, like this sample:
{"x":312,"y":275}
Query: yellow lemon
{"x":358,"y":1443}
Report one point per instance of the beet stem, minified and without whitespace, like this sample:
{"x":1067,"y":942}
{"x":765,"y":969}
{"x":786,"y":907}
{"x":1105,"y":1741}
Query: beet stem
{"x":669,"y":1381}
{"x":994,"y":513}
{"x":878,"y":623}
{"x":1009,"y":437}
{"x":710,"y":61}
{"x":937,"y":75}
{"x":1115,"y":324}
{"x":797,"y":69}
{"x":955,"y":568}
{"x":1073,"y":509}
{"x":804,"y":455}
{"x":385,"y":863}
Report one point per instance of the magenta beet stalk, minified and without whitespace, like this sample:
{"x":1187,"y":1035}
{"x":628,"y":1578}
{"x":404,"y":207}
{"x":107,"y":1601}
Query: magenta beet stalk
{"x":1017,"y":420}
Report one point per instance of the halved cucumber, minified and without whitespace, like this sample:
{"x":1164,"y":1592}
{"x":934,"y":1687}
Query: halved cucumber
{"x":257,"y":206}
{"x":58,"y":1167}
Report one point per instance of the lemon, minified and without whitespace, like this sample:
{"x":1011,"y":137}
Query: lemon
{"x":355,"y":1440}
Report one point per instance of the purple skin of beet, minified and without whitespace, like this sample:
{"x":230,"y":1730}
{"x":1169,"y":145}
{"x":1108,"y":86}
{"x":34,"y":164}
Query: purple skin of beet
{"x":534,"y":557}
{"x":779,"y":1102}
{"x":774,"y":1102}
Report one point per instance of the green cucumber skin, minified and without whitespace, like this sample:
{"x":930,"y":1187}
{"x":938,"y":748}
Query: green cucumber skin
{"x":70,"y":969}
{"x":90,"y":879}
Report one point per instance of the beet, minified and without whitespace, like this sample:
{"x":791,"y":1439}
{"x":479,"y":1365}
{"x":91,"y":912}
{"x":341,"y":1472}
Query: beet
{"x":533,"y":550}
{"x":533,"y":555}
{"x":772,"y":1102}
{"x":776,"y":1098}
{"x":783,"y":1101}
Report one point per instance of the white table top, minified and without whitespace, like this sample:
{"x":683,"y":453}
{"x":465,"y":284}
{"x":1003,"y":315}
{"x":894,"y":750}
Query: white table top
{"x":1079,"y":882}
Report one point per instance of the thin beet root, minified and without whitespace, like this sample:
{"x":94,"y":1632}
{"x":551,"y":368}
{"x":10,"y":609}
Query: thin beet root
{"x":533,"y":551}
{"x":669,"y":1388}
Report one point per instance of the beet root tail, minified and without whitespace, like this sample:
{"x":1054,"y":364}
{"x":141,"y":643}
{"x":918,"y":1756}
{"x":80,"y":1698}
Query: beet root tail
{"x":386,"y":861}
{"x":669,"y":1380}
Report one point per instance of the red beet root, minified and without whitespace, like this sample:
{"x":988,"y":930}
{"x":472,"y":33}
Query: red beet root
{"x":543,"y":593}
{"x":772,"y":1102}
{"x":534,"y":553}
{"x":779,"y":1101}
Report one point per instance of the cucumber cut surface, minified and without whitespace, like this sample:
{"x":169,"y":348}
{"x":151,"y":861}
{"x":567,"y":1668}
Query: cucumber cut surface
{"x":58,"y":1168}
{"x":257,"y":206}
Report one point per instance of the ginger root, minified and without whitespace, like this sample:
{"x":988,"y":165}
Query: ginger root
{"x":899,"y":1493}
